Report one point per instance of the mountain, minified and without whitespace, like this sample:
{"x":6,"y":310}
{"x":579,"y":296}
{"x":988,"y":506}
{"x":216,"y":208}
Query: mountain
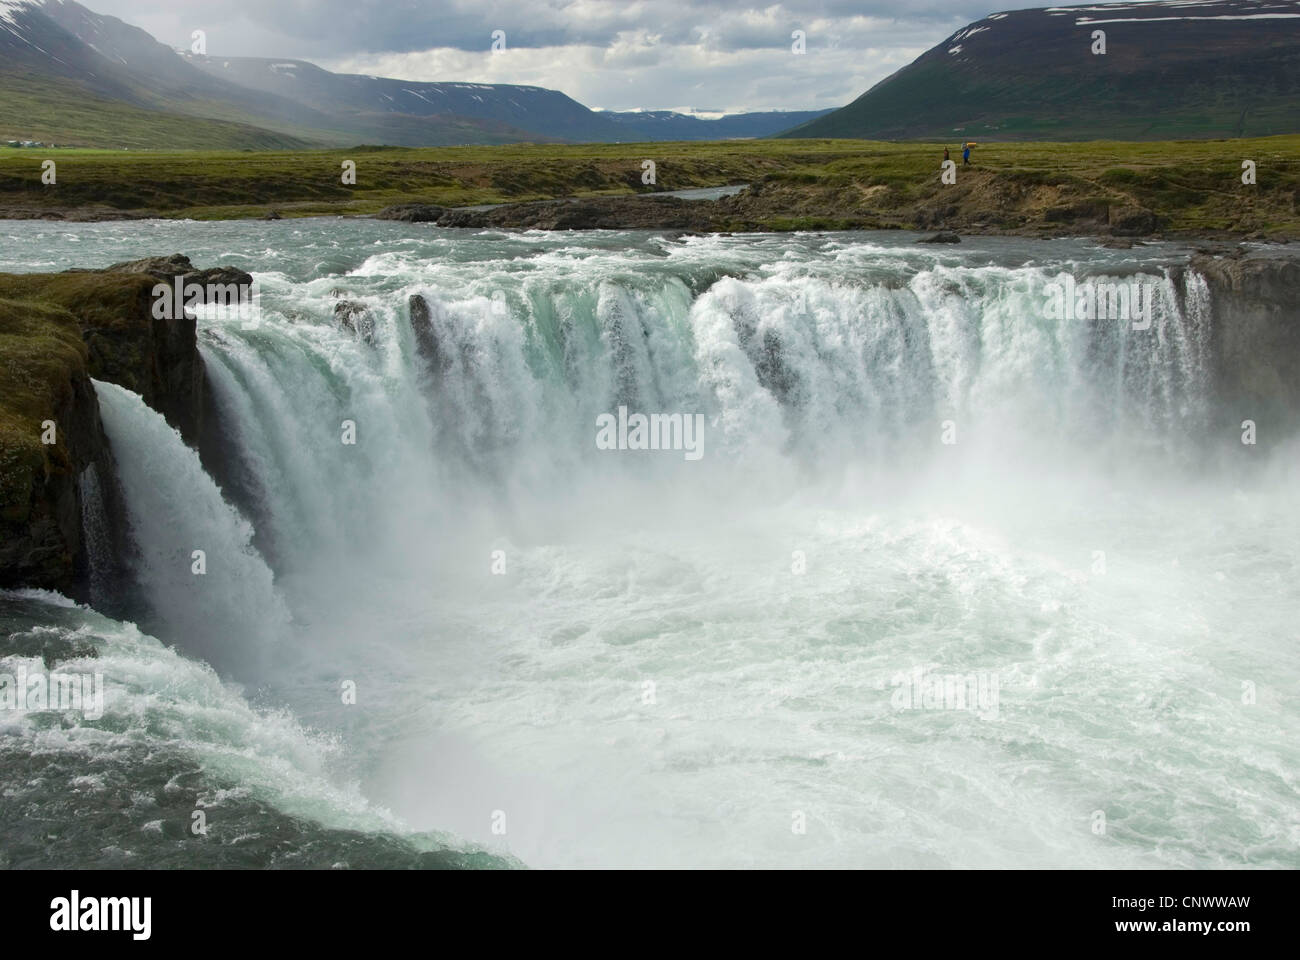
{"x":78,"y":78}
{"x":62,"y":42}
{"x":667,"y":125}
{"x":514,"y":112}
{"x":1179,"y":69}
{"x":529,"y":113}
{"x":59,"y":87}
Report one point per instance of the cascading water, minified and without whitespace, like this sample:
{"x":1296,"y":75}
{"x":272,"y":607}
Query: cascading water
{"x":634,"y":657}
{"x":225,"y":611}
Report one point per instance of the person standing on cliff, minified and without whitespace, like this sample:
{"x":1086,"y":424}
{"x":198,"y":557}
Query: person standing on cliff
{"x":965,"y":154}
{"x":946,"y":158}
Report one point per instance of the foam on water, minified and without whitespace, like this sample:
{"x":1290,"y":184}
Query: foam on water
{"x":121,"y":789}
{"x":681,"y":658}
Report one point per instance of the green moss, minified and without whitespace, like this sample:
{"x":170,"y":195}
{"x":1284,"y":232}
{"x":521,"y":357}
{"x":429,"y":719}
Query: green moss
{"x":104,"y":301}
{"x":41,"y":354}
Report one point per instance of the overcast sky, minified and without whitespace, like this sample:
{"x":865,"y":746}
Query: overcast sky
{"x":706,"y":55}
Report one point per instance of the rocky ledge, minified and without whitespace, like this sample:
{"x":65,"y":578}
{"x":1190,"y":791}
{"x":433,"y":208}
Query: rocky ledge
{"x":58,"y":331}
{"x":1255,"y":337}
{"x":985,"y":203}
{"x":597,"y":213}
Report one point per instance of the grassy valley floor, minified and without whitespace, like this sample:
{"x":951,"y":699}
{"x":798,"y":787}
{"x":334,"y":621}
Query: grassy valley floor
{"x":1123,"y":189}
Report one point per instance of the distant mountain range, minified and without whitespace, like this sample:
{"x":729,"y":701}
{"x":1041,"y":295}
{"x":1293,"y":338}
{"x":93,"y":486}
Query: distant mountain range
{"x":666,"y":125}
{"x":1172,"y":70}
{"x":78,"y":78}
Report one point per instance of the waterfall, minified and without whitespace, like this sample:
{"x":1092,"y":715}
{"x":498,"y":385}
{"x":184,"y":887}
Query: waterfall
{"x":460,"y":405}
{"x":206,"y":588}
{"x":97,"y":533}
{"x":959,"y":464}
{"x":488,"y":383}
{"x":459,"y":411}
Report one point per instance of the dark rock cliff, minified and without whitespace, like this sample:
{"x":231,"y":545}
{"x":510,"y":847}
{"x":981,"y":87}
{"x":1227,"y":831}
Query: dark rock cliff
{"x":52,"y":444}
{"x":57,"y":333}
{"x":1255,"y":345}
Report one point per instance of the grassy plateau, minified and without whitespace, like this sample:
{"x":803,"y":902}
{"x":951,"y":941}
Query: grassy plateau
{"x":1182,"y":186}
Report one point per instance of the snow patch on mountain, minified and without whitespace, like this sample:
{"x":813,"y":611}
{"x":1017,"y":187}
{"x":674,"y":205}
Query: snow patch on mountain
{"x":1093,"y":21}
{"x":1174,"y":10}
{"x":9,"y":10}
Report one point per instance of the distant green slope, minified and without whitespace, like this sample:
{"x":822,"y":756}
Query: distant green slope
{"x":67,"y":115}
{"x":86,"y":78}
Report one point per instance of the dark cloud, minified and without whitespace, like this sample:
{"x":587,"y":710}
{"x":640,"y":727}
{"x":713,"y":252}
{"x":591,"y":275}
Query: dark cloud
{"x":614,"y":54}
{"x":329,"y":28}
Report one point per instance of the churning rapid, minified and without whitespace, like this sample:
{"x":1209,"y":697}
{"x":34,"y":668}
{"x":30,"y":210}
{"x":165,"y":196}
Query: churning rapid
{"x":950,"y":578}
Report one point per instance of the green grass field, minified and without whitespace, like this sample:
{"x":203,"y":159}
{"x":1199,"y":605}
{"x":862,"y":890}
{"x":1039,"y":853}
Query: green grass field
{"x":47,"y":111}
{"x":1190,"y":185}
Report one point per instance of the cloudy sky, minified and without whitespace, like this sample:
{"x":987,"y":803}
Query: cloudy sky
{"x":706,"y":55}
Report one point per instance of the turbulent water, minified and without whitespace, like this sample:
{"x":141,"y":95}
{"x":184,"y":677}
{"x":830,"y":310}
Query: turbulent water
{"x":563,"y":655}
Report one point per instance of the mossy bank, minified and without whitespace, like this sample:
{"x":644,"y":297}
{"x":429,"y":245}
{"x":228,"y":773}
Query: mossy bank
{"x":1037,"y":189}
{"x":57,"y":474}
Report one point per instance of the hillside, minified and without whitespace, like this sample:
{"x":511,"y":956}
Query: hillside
{"x":64,"y":43}
{"x":119,"y":88}
{"x":407,"y":109}
{"x":505,"y":112}
{"x":1176,"y":69}
{"x":63,"y":113}
{"x":78,"y":78}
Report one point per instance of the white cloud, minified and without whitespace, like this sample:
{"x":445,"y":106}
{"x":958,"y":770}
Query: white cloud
{"x":639,"y":69}
{"x":611,"y":54}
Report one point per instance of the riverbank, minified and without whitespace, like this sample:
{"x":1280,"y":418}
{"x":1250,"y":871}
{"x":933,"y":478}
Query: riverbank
{"x":1133,"y":190}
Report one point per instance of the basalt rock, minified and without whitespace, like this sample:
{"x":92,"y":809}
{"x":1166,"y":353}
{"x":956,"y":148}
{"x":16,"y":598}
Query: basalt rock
{"x":426,"y":337}
{"x":356,"y":318}
{"x":600,"y":213}
{"x":178,"y":265}
{"x":1255,"y":338}
{"x":53,"y":454}
{"x":1132,"y":222}
{"x":412,"y":213}
{"x":156,"y":358}
{"x":59,"y":332}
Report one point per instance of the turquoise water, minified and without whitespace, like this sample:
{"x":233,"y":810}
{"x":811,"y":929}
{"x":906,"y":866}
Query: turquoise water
{"x":568,"y":656}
